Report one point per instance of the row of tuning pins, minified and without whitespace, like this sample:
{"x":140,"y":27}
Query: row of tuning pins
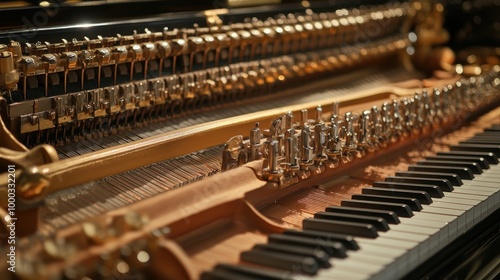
{"x":294,"y":151}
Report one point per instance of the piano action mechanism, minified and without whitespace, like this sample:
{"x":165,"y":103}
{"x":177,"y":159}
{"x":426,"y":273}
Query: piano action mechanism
{"x":311,"y":140}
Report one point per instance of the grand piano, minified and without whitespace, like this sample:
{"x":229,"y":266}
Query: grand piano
{"x":249,"y":140}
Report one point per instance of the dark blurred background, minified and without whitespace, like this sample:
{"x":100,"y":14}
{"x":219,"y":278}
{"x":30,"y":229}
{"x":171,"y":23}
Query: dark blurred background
{"x":470,"y":23}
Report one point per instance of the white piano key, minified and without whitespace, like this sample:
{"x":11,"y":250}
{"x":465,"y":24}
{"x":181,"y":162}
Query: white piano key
{"x":359,"y":259}
{"x":467,"y":210}
{"x":417,"y":248}
{"x":490,"y":176}
{"x":487,"y":195}
{"x":475,"y":190}
{"x":481,"y":200}
{"x":458,"y":216}
{"x":493,"y":171}
{"x":360,"y":263}
{"x":377,"y":251}
{"x":410,"y":248}
{"x":367,"y":261}
{"x":483,"y":185}
{"x":385,"y":242}
{"x":396,"y":255}
{"x":337,"y":273}
{"x":441,"y":227}
{"x":492,"y":185}
{"x":431,"y":234}
{"x":481,"y":188}
{"x":421,"y":241}
{"x":366,"y":257}
{"x":488,"y":199}
{"x":407,"y":250}
{"x":449,"y":221}
{"x":478,"y":208}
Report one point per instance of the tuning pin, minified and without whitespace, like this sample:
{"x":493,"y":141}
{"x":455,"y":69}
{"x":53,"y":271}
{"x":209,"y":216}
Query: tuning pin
{"x":374,"y":114}
{"x":426,"y":108}
{"x":364,"y":132}
{"x":386,"y":120}
{"x":334,"y":145}
{"x":255,"y":135}
{"x":419,"y":106}
{"x":349,"y":148}
{"x":303,"y":118}
{"x":447,"y":101}
{"x":349,"y":141}
{"x":404,"y":111}
{"x":275,"y":129}
{"x":334,"y":120}
{"x":394,"y":119}
{"x":334,"y":135}
{"x":319,"y":140}
{"x":306,"y":151}
{"x":436,"y":104}
{"x":272,"y":172}
{"x":348,"y":121}
{"x":319,"y":114}
{"x":335,"y":109}
{"x":291,"y":148}
{"x":376,"y":127}
{"x":288,"y":120}
{"x":290,"y":165}
{"x":319,"y":144}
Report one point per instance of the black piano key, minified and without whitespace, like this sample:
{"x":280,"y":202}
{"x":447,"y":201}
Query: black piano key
{"x":454,"y":179}
{"x":463,"y":172}
{"x":479,"y":160}
{"x":489,"y":134}
{"x":379,"y":223}
{"x":421,"y":196}
{"x":477,"y":148}
{"x":474,"y":167}
{"x":263,"y":273}
{"x":320,"y":236}
{"x":444,"y":184}
{"x":433,"y":191}
{"x":306,"y":265}
{"x":489,"y":140}
{"x":494,"y":128}
{"x":321,"y":257}
{"x":481,"y":140}
{"x":489,"y":131}
{"x":332,"y":248}
{"x":402,"y":210}
{"x":490,"y":157}
{"x":493,"y":136}
{"x":226,"y":275}
{"x":412,"y":202}
{"x":389,"y":216}
{"x":244,"y":272}
{"x":356,"y":229}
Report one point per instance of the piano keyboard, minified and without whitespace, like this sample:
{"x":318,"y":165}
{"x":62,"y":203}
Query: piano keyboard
{"x":389,"y":229}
